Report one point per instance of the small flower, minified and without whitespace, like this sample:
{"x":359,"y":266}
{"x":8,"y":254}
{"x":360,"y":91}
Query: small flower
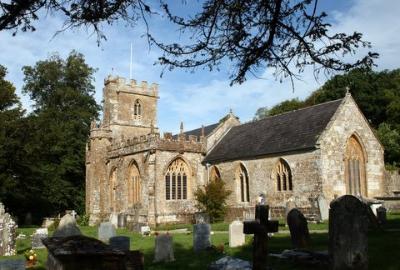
{"x":31,"y":258}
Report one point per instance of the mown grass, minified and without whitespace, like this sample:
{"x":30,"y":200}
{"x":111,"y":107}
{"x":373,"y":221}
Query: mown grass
{"x":383,"y":247}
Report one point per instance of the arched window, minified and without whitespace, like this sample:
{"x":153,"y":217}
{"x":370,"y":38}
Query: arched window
{"x":113,"y":190}
{"x":137,"y":110}
{"x":242,"y":178}
{"x":134,"y":185}
{"x":176,"y":180}
{"x":355,"y":168}
{"x":283,"y":176}
{"x":214,"y":174}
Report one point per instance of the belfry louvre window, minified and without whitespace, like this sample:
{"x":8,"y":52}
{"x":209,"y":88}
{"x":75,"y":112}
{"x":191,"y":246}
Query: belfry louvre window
{"x":137,"y":109}
{"x":176,"y":180}
{"x":283,"y":176}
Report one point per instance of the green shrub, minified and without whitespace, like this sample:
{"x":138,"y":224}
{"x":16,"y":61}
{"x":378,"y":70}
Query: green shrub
{"x":212,"y":199}
{"x":83,"y":220}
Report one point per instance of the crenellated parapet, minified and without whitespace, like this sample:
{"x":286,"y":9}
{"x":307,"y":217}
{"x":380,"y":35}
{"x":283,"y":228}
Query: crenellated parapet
{"x":125,"y":146}
{"x":120,"y":84}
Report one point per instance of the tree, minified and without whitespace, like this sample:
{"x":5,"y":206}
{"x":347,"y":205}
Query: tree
{"x":285,"y":106}
{"x":64,"y":107}
{"x":212,"y":199}
{"x":284,"y":35}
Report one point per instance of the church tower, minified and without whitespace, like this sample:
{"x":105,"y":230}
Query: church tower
{"x":130,"y":109}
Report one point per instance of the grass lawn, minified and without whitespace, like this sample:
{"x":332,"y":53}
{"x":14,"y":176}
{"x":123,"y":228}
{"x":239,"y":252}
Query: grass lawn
{"x":384,"y":247}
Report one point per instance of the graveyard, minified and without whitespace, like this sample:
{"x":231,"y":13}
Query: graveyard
{"x":382,"y":246}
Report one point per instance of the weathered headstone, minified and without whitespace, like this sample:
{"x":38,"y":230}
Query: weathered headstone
{"x":230,"y":263}
{"x":202,"y":218}
{"x":106,"y":231}
{"x":298,"y":229}
{"x":236,"y":235}
{"x":8,"y":233}
{"x":120,"y":242}
{"x":114,"y":219}
{"x":18,"y":264}
{"x":145,"y":230}
{"x":348,"y":229}
{"x":323,"y":207}
{"x":201,"y":236}
{"x":381,"y":215}
{"x":38,"y":236}
{"x":67,"y":227}
{"x":164,"y":251}
{"x":290,"y":204}
{"x":260,"y":227}
{"x":121,"y":220}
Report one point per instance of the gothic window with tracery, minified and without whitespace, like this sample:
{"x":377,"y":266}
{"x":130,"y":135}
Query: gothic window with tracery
{"x":134,"y":185}
{"x":355,"y":168}
{"x":137,"y":109}
{"x":176,"y":180}
{"x":113,"y":189}
{"x":283,"y":176}
{"x":214,"y":174}
{"x":242,"y":178}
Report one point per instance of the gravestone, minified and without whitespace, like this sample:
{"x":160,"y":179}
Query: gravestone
{"x":323,"y":208}
{"x":201,"y":236}
{"x":18,"y":264}
{"x":236,"y":235}
{"x":122,"y":220}
{"x":114,"y":219}
{"x":348,"y":233}
{"x":145,"y":230}
{"x":67,"y":227}
{"x":298,"y":229}
{"x":120,"y":242}
{"x":106,"y":231}
{"x":8,"y":233}
{"x":164,"y":251}
{"x":290,"y":204}
{"x":37,"y":238}
{"x":202,"y":218}
{"x":260,"y":227}
{"x":381,"y":215}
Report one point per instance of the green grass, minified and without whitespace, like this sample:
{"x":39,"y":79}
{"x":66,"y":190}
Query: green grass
{"x":383,"y":247}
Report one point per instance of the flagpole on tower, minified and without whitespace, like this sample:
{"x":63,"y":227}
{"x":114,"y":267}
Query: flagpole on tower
{"x":130,"y":63}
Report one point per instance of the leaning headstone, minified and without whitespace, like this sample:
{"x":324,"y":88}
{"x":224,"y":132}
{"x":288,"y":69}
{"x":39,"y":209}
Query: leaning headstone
{"x":145,"y":230}
{"x":120,"y":242}
{"x":323,"y":208}
{"x":106,"y":231}
{"x":290,"y":204}
{"x":37,"y":238}
{"x":164,"y":251}
{"x":18,"y":264}
{"x":8,"y":233}
{"x":381,"y":215}
{"x":201,"y":236}
{"x":67,"y":227}
{"x":298,"y":229}
{"x":114,"y":219}
{"x":348,"y":233}
{"x":202,"y":218}
{"x":236,"y":235}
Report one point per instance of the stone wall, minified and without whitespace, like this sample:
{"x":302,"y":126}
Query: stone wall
{"x":392,"y":183}
{"x":348,"y":121}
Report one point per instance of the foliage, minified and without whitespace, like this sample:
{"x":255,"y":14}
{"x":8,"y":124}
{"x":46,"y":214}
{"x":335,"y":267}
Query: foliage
{"x":83,"y":220}
{"x":285,"y":106}
{"x":212,"y":199}
{"x":284,"y":35}
{"x":376,"y":93}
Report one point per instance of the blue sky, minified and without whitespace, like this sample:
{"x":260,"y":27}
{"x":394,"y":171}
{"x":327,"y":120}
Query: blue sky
{"x":201,"y":97}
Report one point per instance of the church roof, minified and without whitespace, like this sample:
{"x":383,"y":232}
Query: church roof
{"x":197,"y":132}
{"x":291,"y":131}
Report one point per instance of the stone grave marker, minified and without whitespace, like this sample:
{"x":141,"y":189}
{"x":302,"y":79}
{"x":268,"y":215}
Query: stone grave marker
{"x":323,"y":207}
{"x":106,"y":231}
{"x":8,"y":233}
{"x":298,"y":229}
{"x":164,"y":250}
{"x":260,"y":227}
{"x":201,"y":236}
{"x":290,"y":204}
{"x":236,"y":235}
{"x":120,"y":242}
{"x":114,"y":219}
{"x":18,"y":264}
{"x":145,"y":230}
{"x":348,"y":233}
{"x":67,"y":227}
{"x":202,"y":218}
{"x":122,"y":220}
{"x":37,"y":238}
{"x":381,"y":215}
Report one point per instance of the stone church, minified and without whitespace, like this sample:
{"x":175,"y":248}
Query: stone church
{"x":324,"y":150}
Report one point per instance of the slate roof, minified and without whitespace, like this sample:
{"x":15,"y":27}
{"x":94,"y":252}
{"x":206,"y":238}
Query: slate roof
{"x":291,"y":131}
{"x":207,"y":130}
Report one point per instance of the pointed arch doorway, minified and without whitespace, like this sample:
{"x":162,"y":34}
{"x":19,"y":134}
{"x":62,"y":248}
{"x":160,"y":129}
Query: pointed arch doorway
{"x":355,"y":168}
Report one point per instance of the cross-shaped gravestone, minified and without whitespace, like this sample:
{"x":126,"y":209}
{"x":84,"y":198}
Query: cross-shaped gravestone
{"x":260,"y":227}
